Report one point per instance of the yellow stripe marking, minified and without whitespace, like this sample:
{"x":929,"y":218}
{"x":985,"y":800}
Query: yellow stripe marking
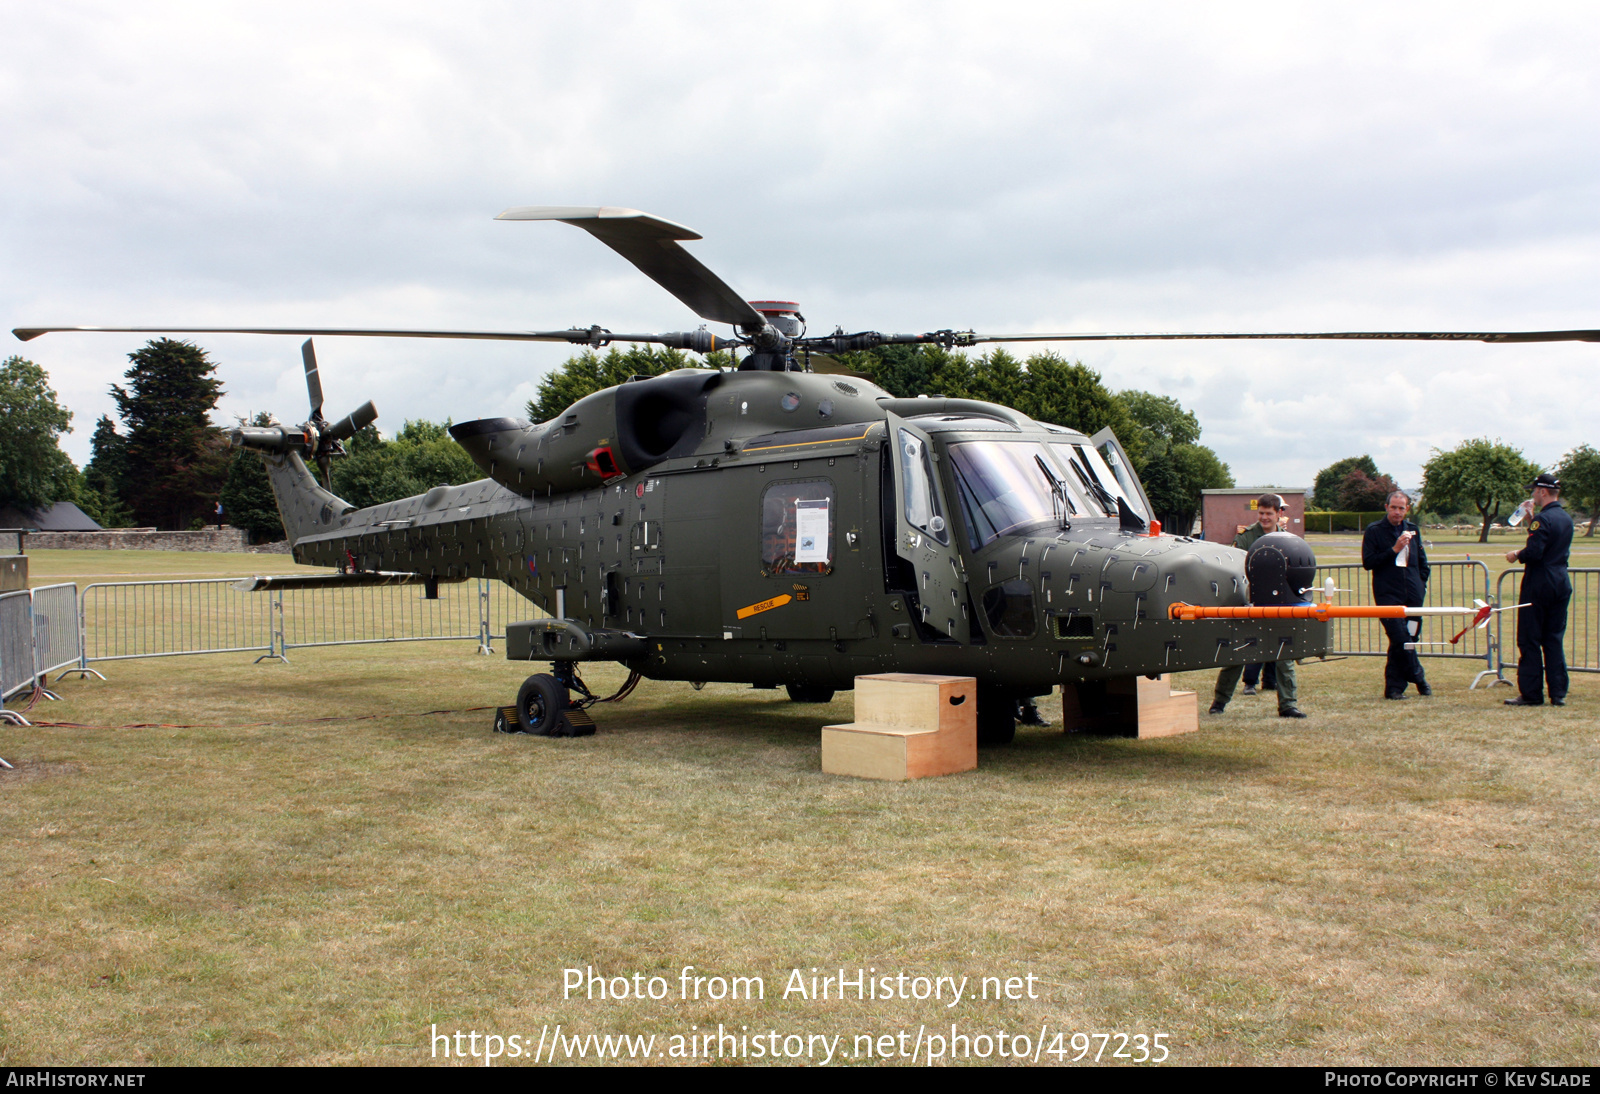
{"x":807,"y":444}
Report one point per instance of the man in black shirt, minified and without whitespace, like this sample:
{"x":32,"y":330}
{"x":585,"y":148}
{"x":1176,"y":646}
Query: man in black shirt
{"x":1546,"y":590}
{"x":1393,"y":551}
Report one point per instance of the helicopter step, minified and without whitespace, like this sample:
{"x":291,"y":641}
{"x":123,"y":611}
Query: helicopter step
{"x":1129,"y":706}
{"x":569,"y":640}
{"x":907,"y":726}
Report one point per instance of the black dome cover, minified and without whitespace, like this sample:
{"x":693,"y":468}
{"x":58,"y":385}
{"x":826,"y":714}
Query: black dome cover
{"x":1278,"y":566}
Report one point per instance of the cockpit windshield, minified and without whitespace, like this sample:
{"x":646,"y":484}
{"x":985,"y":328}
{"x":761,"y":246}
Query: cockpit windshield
{"x":1096,"y":478}
{"x":1008,"y":485}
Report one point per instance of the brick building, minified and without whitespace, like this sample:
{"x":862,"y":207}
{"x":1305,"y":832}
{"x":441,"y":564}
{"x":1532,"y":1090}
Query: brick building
{"x":1226,"y":513}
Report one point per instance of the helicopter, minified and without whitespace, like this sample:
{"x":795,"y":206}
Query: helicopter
{"x":788,"y":523}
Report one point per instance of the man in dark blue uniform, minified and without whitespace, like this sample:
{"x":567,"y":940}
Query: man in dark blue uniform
{"x":1392,"y":550}
{"x":1546,"y":590}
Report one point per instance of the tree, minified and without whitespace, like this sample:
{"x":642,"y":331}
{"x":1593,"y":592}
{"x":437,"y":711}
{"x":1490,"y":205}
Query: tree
{"x":421,"y":456}
{"x":1579,"y":473}
{"x":1330,"y":480}
{"x":34,"y":472}
{"x":1172,"y":466}
{"x":1482,"y":473}
{"x":1072,"y":394}
{"x":903,"y":371}
{"x":176,"y":459}
{"x":1362,"y":493}
{"x":247,"y":498}
{"x":1162,"y":417}
{"x":100,"y":495}
{"x":587,"y":372}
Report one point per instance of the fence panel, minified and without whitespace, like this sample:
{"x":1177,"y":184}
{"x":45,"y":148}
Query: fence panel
{"x":16,"y":643}
{"x":401,"y":613}
{"x":1583,"y":621}
{"x":168,"y":618}
{"x":1456,"y":583}
{"x":333,"y":616}
{"x":503,"y":605}
{"x":55,"y":627}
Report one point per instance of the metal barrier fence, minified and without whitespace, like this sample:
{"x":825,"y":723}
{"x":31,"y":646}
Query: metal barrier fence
{"x":16,"y":643}
{"x":1452,"y":583}
{"x":167,"y":618}
{"x":1583,"y":623}
{"x":55,"y":628}
{"x":172,"y":618}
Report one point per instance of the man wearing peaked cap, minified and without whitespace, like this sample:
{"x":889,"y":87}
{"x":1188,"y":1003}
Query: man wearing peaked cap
{"x":1546,"y":590}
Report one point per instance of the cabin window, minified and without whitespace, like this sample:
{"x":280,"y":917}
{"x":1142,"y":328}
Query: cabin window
{"x":1009,"y":609}
{"x":797,"y":528}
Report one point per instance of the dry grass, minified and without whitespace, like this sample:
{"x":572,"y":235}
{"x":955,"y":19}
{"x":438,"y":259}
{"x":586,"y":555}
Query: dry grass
{"x":1407,"y":882}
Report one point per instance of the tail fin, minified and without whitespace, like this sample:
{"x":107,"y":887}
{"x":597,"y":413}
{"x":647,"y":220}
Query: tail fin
{"x":306,"y":508}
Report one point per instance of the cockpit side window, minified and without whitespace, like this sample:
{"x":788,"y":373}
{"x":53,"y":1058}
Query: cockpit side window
{"x":916,"y":485}
{"x":1116,"y":466}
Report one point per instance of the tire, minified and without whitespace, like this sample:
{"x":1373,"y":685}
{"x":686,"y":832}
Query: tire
{"x":997,"y":716}
{"x":808,"y":693}
{"x":540,"y":702}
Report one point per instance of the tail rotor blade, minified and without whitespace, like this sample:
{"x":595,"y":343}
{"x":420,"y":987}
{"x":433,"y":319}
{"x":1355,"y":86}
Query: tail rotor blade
{"x":352,"y":423}
{"x":308,"y":353}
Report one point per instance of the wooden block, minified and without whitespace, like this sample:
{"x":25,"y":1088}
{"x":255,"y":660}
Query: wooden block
{"x":906,"y":727}
{"x":1131,"y":706}
{"x":917,"y":702}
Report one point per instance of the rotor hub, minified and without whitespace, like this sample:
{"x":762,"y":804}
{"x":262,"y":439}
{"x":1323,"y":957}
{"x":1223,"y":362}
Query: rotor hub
{"x":784,"y":315}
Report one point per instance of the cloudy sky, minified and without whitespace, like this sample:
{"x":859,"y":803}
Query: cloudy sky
{"x":905,"y":167}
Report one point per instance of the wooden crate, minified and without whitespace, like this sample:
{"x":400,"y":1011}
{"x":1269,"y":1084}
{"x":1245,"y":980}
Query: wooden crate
{"x":1134,"y":706}
{"x":907,"y":727}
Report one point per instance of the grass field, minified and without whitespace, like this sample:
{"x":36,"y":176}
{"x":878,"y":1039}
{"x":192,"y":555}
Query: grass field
{"x":1413,"y":882}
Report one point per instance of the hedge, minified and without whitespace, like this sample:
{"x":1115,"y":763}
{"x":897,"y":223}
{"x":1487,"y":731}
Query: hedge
{"x":1330,"y":522}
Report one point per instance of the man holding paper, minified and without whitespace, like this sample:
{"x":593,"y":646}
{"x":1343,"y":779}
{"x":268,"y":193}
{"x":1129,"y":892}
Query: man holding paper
{"x":1392,"y":550}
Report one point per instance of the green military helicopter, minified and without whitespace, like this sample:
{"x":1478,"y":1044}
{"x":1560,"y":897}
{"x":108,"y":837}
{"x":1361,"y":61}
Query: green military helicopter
{"x":787,"y":523}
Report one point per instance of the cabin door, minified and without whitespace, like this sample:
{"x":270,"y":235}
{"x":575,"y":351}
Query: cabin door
{"x":923,"y":533}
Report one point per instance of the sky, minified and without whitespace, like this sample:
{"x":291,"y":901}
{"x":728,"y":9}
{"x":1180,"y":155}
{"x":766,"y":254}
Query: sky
{"x":1007,"y":167}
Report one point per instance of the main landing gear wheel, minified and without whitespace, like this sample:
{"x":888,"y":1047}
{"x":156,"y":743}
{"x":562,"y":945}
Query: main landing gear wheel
{"x":805,"y":693}
{"x":540,"y":703}
{"x":997,"y":716}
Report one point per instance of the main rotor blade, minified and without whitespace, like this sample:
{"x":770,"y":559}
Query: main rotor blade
{"x":578,"y":336}
{"x":650,"y":244}
{"x":968,"y":338}
{"x":308,"y":354}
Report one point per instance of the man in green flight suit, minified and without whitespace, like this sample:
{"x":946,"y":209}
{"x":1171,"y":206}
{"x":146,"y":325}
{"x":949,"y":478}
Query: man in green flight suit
{"x":1268,"y":509}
